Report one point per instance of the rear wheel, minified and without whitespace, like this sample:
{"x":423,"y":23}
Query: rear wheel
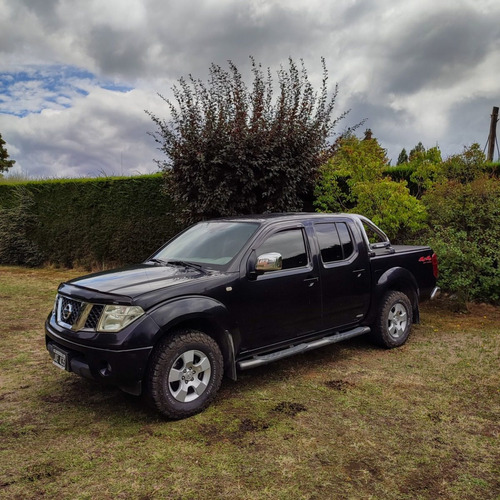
{"x":394,"y":321}
{"x":185,"y":374}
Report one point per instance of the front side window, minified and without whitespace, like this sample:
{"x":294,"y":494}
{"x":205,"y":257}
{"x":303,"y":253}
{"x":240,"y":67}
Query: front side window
{"x":290,"y":244}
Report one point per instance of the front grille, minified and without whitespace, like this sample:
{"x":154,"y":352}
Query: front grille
{"x":69,"y":310}
{"x":94,"y":317}
{"x":75,"y":314}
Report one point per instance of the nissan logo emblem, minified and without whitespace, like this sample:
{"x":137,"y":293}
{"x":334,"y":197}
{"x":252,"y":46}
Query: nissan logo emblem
{"x":67,"y":311}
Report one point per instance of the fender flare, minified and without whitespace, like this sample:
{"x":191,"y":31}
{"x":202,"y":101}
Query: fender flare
{"x":400,"y":279}
{"x":199,"y":309}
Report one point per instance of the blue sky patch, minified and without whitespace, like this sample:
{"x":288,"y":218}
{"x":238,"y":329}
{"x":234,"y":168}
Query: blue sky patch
{"x":36,"y":88}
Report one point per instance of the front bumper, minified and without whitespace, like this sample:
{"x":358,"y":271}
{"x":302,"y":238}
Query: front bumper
{"x":125,"y":368}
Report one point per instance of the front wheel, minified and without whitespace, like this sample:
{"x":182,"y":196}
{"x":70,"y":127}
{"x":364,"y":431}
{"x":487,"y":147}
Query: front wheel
{"x":185,"y":374}
{"x":393,"y":325}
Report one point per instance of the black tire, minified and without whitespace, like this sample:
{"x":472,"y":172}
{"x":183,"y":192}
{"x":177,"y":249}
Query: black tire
{"x":393,"y":325}
{"x":185,"y":374}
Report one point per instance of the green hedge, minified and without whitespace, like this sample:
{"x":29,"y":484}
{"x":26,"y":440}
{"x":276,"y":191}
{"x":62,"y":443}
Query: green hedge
{"x":403,"y":173}
{"x":91,"y":222}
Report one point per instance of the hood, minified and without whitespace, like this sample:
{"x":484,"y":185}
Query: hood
{"x":137,"y":280}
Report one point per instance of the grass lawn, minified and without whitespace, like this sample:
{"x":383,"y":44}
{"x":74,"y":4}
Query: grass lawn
{"x":349,"y":421}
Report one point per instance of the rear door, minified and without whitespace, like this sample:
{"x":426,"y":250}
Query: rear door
{"x":344,"y":273}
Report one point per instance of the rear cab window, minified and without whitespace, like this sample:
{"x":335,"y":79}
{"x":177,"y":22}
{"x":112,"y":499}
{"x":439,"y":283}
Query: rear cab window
{"x":335,"y":241}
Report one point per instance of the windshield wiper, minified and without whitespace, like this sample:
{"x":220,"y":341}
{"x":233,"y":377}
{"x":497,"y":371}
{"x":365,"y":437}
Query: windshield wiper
{"x":157,"y":261}
{"x":192,"y":265}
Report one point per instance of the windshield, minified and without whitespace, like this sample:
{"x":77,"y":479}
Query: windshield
{"x":214,"y":243}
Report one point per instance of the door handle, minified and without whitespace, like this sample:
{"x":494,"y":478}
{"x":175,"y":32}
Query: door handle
{"x":359,"y":272}
{"x":310,"y":281}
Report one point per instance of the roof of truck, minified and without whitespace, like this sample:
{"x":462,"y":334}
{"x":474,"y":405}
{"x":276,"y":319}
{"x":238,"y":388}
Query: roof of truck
{"x":283,"y":216}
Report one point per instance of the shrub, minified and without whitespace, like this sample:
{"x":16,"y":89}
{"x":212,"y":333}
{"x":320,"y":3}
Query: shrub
{"x":465,"y":232}
{"x":233,"y":150}
{"x":390,"y":205}
{"x":467,"y":166}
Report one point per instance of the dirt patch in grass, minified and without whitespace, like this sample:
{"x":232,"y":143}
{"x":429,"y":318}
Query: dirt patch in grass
{"x":253,"y":425}
{"x":243,"y":428}
{"x":289,"y":409}
{"x":431,"y":480}
{"x":339,"y":385}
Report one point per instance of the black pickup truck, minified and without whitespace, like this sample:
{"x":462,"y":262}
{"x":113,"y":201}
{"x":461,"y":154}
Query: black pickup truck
{"x":231,"y":294}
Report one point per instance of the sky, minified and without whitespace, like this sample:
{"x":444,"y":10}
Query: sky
{"x":77,"y":76}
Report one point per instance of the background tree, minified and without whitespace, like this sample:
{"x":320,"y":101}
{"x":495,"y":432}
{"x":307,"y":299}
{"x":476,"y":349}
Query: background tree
{"x":231,"y":150}
{"x":419,"y":148}
{"x":353,"y":180}
{"x":403,"y":157}
{"x":427,"y":168}
{"x":5,"y":163}
{"x":353,"y":161}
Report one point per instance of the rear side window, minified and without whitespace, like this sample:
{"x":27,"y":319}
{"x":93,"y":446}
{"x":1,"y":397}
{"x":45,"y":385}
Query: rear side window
{"x":329,"y":242}
{"x":290,"y":244}
{"x":345,"y":239}
{"x":335,"y":241}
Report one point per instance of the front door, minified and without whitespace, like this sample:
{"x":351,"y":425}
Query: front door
{"x":281,"y":305}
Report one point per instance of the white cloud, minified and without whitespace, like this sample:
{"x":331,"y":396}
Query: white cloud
{"x":104,"y":132}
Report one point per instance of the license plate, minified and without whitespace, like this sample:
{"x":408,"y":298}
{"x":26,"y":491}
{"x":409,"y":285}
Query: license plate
{"x":60,"y":358}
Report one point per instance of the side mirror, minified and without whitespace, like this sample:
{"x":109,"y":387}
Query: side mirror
{"x":269,"y":262}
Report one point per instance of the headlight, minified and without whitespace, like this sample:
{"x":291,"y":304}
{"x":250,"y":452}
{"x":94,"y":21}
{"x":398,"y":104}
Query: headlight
{"x":116,"y":318}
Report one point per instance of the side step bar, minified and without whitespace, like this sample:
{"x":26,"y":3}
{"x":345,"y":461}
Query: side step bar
{"x":264,"y":359}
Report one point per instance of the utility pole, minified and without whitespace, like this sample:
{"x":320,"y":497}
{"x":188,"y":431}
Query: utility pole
{"x":492,"y":138}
